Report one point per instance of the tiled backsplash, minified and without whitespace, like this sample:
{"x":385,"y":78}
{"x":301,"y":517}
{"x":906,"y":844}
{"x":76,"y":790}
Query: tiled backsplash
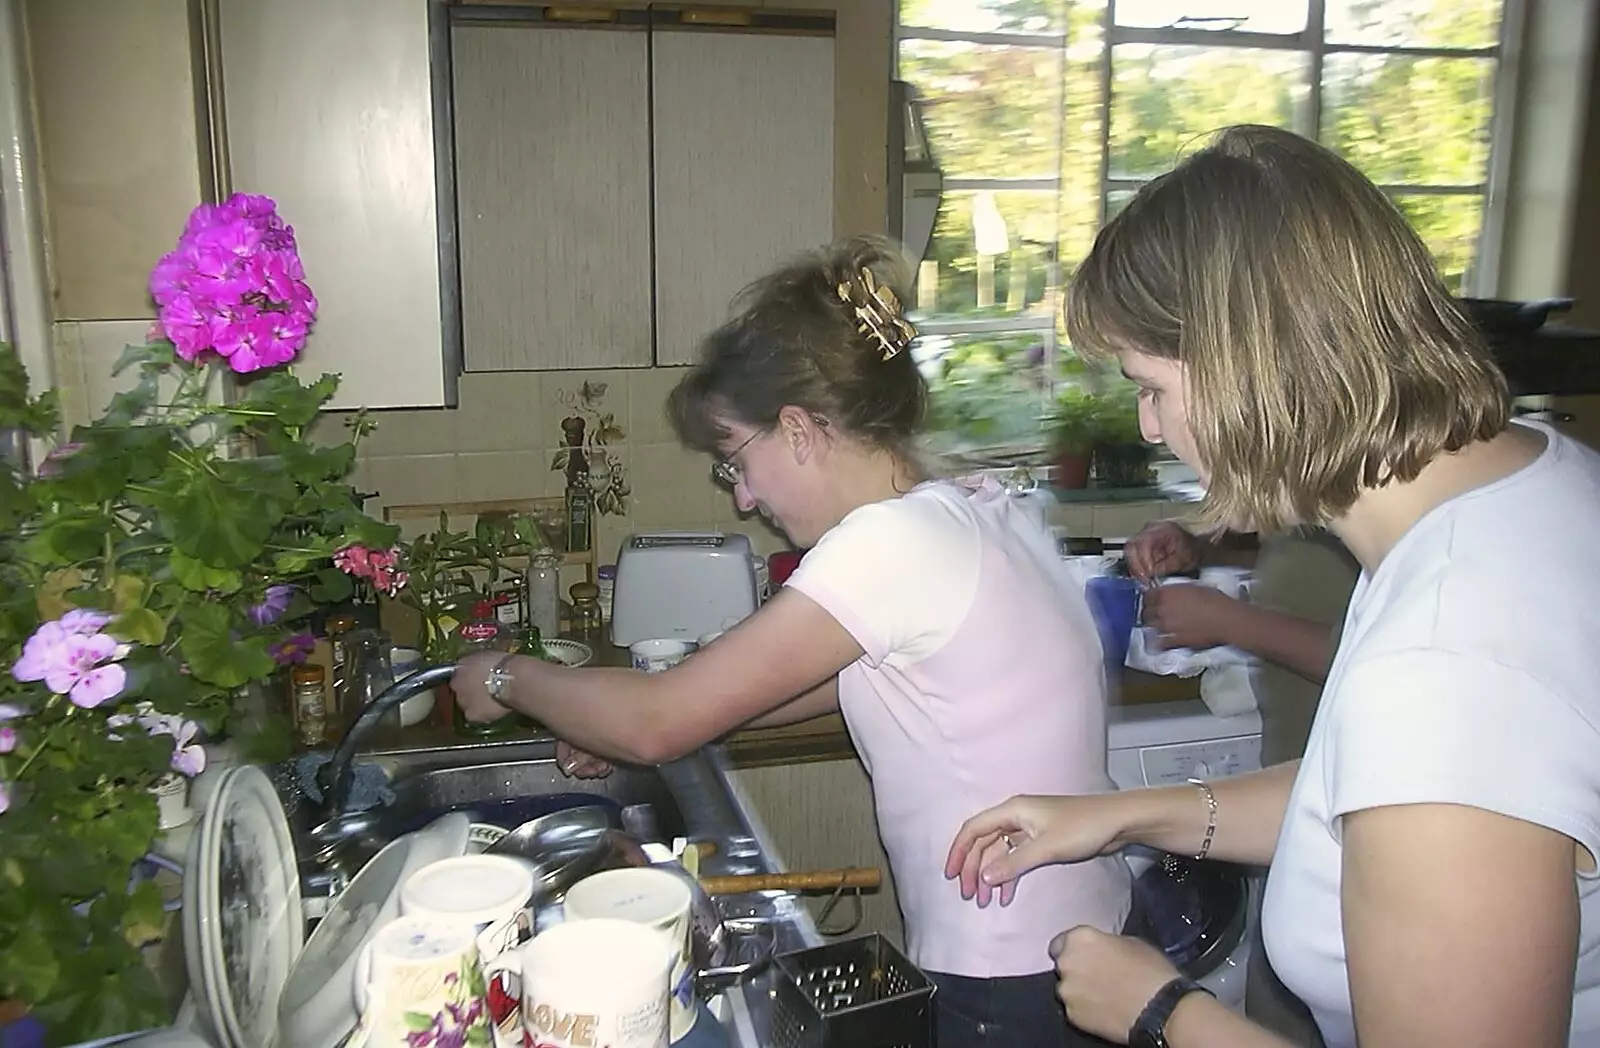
{"x":500,"y":443}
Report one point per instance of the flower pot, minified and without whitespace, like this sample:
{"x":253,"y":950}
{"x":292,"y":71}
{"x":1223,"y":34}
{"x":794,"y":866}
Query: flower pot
{"x":1122,"y":465}
{"x":172,"y":800}
{"x":1071,"y":470}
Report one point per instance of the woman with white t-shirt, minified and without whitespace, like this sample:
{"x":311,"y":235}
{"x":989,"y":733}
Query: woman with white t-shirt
{"x":936,"y":616}
{"x":1433,"y":876}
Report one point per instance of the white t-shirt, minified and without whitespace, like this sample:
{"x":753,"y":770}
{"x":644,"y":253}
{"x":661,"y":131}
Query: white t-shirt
{"x":1469,"y":673}
{"x":982,"y":678}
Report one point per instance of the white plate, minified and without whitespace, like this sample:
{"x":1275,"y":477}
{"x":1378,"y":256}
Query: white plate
{"x":250,"y":882}
{"x":570,"y":653}
{"x":318,"y":1007}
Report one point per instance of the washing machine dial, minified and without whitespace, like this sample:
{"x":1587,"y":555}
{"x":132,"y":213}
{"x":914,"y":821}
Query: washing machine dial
{"x":1201,"y":770}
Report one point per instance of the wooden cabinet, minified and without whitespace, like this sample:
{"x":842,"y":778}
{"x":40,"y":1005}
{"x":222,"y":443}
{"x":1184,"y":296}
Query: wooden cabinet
{"x":552,"y":138}
{"x":616,"y":186}
{"x":818,"y":815}
{"x":743,"y":169}
{"x":329,"y":109}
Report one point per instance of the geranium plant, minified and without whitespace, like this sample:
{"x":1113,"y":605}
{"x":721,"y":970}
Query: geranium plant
{"x":155,"y":564}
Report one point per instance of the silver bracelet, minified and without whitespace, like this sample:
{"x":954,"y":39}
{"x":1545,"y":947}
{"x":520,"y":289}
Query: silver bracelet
{"x":1211,"y":818}
{"x":498,"y":682}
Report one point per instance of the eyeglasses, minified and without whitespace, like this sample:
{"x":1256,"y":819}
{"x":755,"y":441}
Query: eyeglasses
{"x":724,"y":471}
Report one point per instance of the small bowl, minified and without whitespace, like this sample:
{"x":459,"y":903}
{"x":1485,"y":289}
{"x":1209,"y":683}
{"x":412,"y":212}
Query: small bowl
{"x":570,"y":653}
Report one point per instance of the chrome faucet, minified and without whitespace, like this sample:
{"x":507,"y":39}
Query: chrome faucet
{"x":338,"y":775}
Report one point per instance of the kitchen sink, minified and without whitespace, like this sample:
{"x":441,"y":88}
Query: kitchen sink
{"x":504,"y":784}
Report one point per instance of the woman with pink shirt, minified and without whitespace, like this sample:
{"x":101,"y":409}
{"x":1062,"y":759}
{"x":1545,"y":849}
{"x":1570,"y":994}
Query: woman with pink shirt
{"x":934,"y":614}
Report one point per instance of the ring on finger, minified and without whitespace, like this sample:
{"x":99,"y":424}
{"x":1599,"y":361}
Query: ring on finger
{"x":1011,"y":845}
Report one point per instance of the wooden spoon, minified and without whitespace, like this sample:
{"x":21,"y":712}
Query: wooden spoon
{"x":802,"y":881}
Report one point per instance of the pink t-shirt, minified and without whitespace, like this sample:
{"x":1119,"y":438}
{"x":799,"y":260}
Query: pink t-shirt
{"x":981,"y":679}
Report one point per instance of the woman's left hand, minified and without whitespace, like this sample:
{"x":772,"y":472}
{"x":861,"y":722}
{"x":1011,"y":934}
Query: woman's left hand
{"x":1190,"y":616}
{"x":1106,"y":980}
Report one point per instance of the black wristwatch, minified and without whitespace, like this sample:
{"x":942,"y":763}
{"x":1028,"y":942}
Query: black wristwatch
{"x":1150,"y":1029}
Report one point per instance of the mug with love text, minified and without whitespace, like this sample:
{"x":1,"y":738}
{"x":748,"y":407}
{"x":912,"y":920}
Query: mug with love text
{"x":598,"y":983}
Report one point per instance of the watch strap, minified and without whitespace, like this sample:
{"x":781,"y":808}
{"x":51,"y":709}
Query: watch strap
{"x":1149,"y":1030}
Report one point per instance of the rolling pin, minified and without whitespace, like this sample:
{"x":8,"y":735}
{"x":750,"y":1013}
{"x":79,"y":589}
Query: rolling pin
{"x":804,"y":881}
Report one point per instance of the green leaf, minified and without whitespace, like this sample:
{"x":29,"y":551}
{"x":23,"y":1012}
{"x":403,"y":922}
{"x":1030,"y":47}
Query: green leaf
{"x":291,"y":403}
{"x":159,"y":355}
{"x":202,"y":578}
{"x":141,"y":626}
{"x":477,"y":1036}
{"x":224,"y":519}
{"x":418,"y":1022}
{"x":38,"y":416}
{"x":332,"y":587}
{"x":214,"y":655}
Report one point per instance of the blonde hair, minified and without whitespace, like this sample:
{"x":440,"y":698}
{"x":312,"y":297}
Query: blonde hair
{"x":1322,"y":353}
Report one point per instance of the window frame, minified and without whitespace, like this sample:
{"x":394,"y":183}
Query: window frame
{"x":1480,"y":280}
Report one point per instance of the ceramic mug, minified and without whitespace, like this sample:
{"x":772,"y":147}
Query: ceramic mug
{"x":591,"y":983}
{"x":656,"y":899}
{"x":418,"y":974}
{"x":489,"y":894}
{"x":658,"y":656}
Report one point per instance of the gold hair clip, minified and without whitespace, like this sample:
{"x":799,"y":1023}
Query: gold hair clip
{"x":878,"y":314}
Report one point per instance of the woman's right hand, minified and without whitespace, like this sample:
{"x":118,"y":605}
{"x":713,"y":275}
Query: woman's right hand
{"x":995,"y":847}
{"x":1162,"y":548}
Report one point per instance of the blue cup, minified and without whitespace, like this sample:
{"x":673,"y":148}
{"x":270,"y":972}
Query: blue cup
{"x":1114,"y":601}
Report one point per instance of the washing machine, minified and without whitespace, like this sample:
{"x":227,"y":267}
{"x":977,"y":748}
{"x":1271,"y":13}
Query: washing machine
{"x":1202,"y":915}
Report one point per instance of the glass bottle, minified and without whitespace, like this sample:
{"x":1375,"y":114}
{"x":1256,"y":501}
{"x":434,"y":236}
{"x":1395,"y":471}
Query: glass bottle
{"x":544,"y":593}
{"x":368,"y":673}
{"x":579,"y":494}
{"x":587,"y":622}
{"x":337,"y":627}
{"x":483,"y":633}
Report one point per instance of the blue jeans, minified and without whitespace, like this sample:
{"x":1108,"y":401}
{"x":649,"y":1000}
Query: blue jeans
{"x":1017,"y":1012}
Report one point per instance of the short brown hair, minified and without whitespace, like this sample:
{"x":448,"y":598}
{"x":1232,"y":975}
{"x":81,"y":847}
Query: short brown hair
{"x":1323,"y":354}
{"x":792,"y":341}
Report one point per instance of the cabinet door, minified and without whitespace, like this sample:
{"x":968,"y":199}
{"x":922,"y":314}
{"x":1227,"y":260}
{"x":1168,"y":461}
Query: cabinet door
{"x":744,"y":169}
{"x":330,"y":111}
{"x":552,"y":131}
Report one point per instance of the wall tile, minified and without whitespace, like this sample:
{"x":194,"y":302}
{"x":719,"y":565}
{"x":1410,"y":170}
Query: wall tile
{"x":101,"y":344}
{"x":559,"y":389}
{"x":503,"y":475}
{"x":431,"y":431}
{"x":71,"y":383}
{"x":412,"y":479}
{"x":648,"y":411}
{"x":1076,"y":518}
{"x":1124,"y":519}
{"x":669,"y":485}
{"x":501,"y":411}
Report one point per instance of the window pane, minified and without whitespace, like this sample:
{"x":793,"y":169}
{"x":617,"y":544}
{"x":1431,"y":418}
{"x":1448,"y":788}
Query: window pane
{"x":990,"y":111}
{"x":985,"y":16}
{"x":1450,"y":226}
{"x":1414,"y":23}
{"x":986,"y":392}
{"x":1410,"y":121}
{"x":1251,"y":16}
{"x":1016,"y":232}
{"x":1165,"y":99}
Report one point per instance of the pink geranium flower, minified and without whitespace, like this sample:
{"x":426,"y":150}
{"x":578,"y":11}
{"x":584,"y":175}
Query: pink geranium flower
{"x":378,"y":567}
{"x":234,"y":286}
{"x":73,"y":658}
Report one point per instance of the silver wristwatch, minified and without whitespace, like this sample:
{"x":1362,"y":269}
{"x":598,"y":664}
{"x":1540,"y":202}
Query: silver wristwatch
{"x":498,"y":683}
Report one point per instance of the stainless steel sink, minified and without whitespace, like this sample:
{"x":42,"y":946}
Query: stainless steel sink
{"x":503,"y":783}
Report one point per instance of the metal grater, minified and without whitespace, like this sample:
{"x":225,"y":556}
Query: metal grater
{"x":860,"y":993}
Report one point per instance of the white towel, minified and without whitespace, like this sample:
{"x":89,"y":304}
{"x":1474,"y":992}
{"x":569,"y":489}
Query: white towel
{"x":1224,"y":671}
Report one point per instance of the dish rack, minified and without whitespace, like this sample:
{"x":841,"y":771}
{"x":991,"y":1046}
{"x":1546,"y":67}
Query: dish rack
{"x":859,"y":993}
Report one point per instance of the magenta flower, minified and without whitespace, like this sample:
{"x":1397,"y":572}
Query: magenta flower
{"x":53,"y":462}
{"x":234,"y":285}
{"x":73,"y":658}
{"x":272,"y":606}
{"x":293,"y":649}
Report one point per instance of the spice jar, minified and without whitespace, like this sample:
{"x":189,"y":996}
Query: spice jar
{"x":309,"y":704}
{"x":587,"y":623}
{"x":606,"y":579}
{"x":337,"y":627}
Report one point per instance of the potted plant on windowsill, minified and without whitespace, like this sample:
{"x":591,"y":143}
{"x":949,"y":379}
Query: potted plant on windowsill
{"x":151,"y":568}
{"x":1073,"y":425}
{"x":1121,"y":455}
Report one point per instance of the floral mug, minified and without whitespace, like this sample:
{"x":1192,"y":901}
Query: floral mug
{"x":418,"y":985}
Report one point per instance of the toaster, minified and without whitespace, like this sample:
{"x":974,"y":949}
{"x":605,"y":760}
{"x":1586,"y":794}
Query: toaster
{"x":681,"y":585}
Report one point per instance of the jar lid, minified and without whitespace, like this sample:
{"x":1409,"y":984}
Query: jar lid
{"x":607,"y":572}
{"x":308,"y":673}
{"x":584,"y":591}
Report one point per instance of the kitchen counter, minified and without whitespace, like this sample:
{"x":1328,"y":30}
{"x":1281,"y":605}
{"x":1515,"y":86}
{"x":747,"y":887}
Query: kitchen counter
{"x":819,"y":739}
